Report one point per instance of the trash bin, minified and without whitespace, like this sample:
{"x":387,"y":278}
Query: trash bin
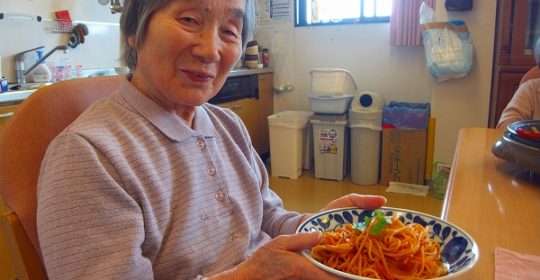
{"x":330,"y":144}
{"x":404,"y":142}
{"x":365,"y":117}
{"x":289,"y":143}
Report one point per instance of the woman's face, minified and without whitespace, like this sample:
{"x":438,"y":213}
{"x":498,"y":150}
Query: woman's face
{"x":189,"y":48}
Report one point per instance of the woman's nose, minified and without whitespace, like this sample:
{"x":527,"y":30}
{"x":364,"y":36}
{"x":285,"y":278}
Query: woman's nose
{"x":207,"y":47}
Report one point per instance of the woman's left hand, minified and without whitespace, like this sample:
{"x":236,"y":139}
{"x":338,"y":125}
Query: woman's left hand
{"x":357,"y":200}
{"x":354,"y":200}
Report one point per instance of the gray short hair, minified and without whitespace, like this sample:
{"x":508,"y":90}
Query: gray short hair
{"x":137,"y":13}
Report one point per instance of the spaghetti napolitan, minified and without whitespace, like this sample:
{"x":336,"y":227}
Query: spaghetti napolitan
{"x":397,"y":251}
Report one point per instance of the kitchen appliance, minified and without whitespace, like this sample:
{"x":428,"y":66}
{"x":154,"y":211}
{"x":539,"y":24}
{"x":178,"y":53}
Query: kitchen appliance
{"x":520,"y":144}
{"x":237,"y":87}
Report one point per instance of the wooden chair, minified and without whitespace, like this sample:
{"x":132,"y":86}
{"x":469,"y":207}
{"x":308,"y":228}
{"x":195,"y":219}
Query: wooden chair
{"x":36,"y":122}
{"x":533,"y":73}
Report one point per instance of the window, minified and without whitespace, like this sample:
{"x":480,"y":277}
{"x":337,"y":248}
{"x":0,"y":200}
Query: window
{"x":328,"y":12}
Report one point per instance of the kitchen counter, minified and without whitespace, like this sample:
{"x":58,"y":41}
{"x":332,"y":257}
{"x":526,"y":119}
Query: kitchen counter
{"x":14,"y":97}
{"x":17,"y":96}
{"x":496,"y":202}
{"x":245,"y":71}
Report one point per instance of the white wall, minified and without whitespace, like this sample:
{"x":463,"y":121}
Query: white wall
{"x":465,"y":102}
{"x":101,"y":49}
{"x":398,"y":73}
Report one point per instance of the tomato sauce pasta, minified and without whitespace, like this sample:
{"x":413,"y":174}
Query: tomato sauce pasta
{"x":398,"y":251}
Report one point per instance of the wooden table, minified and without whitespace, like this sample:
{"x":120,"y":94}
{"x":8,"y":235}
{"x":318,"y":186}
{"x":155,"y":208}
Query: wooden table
{"x":493,"y":200}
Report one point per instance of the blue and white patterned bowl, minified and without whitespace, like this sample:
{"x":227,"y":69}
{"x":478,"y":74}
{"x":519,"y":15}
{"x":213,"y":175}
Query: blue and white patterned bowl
{"x":459,"y":250}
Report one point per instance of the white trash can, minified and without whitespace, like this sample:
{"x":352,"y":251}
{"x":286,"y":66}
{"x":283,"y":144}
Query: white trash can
{"x":365,"y":118}
{"x":289,"y":143}
{"x":330,"y":146}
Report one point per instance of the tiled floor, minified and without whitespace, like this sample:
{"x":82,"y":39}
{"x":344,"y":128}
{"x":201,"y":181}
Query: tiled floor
{"x":308,"y":194}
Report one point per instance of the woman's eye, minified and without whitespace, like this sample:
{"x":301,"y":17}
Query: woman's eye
{"x":188,"y":20}
{"x":232,"y":33}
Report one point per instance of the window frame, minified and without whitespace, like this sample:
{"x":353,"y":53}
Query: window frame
{"x":300,"y":8}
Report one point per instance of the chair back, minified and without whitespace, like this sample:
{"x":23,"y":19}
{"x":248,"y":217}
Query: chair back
{"x":39,"y":119}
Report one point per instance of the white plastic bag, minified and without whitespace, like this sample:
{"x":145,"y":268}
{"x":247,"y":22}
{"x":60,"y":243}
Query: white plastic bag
{"x":426,"y":13}
{"x":448,"y":48}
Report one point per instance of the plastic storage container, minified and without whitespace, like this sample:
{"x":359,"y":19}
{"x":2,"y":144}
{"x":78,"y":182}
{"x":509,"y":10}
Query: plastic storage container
{"x":331,"y":81}
{"x":288,"y":143}
{"x":330,"y":146}
{"x":365,"y":119}
{"x":331,"y":90}
{"x":334,"y":104}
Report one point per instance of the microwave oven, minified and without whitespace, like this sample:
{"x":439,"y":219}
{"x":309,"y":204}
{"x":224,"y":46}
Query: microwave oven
{"x":235,"y":88}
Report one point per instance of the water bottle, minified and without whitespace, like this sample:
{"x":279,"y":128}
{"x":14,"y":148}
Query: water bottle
{"x":66,"y":71}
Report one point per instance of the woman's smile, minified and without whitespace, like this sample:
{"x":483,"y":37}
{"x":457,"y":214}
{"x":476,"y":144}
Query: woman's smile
{"x":198,"y":77}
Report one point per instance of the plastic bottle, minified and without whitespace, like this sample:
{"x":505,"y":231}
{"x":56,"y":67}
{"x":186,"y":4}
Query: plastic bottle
{"x":67,"y":69}
{"x":41,"y":73}
{"x":315,"y":11}
{"x":265,"y":57}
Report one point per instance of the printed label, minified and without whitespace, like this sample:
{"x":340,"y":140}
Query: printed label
{"x":328,"y":141}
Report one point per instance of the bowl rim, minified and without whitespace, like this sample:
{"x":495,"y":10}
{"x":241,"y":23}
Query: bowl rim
{"x":475,"y":248}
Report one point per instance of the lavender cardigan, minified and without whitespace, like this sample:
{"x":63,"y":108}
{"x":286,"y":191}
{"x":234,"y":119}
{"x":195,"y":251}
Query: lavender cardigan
{"x":129,"y":192}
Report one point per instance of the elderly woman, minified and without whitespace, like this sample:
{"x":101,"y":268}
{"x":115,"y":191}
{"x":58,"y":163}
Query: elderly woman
{"x":153,"y":182}
{"x":525,"y":104}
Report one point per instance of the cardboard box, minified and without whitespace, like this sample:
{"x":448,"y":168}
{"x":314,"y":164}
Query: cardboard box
{"x":403,"y":156}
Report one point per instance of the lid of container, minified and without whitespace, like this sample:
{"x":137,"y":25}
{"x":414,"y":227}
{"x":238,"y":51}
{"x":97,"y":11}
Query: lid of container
{"x":366,"y":115}
{"x":367,"y":101}
{"x":324,"y":118}
{"x":302,"y":115}
{"x":289,"y":119}
{"x":331,"y":81}
{"x":252,"y":43}
{"x":330,"y":97}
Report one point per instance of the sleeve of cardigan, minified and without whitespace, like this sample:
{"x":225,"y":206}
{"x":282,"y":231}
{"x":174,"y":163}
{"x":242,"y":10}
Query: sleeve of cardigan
{"x":88,"y":226}
{"x":520,"y":107}
{"x":277,"y":220}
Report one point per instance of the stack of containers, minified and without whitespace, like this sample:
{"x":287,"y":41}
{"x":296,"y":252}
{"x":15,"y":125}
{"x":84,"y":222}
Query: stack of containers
{"x":251,"y":56}
{"x":331,"y":93}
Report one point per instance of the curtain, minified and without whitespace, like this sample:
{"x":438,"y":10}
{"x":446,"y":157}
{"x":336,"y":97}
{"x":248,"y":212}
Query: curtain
{"x":405,"y":28}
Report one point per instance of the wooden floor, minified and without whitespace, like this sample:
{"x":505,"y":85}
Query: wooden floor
{"x":308,"y":194}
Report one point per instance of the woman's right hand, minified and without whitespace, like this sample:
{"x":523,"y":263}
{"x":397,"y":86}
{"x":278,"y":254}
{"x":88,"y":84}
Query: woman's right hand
{"x":280,"y":259}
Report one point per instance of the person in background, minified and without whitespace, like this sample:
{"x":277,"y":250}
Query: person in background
{"x":155,"y":183}
{"x":525,"y":104}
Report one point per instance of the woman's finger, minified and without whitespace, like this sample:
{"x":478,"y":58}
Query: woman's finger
{"x":296,"y":242}
{"x":357,"y":200}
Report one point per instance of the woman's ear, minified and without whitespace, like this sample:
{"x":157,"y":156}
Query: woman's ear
{"x":131,"y":42}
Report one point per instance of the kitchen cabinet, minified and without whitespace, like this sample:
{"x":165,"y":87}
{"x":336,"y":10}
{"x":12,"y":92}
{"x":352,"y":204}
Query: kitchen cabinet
{"x":254,"y":111}
{"x":6,"y":268}
{"x":517,"y":31}
{"x":5,"y":113}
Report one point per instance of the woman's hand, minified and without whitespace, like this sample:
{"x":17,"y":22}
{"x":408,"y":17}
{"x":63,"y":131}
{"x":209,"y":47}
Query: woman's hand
{"x":353,"y":200}
{"x":357,"y":200}
{"x":280,"y":259}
